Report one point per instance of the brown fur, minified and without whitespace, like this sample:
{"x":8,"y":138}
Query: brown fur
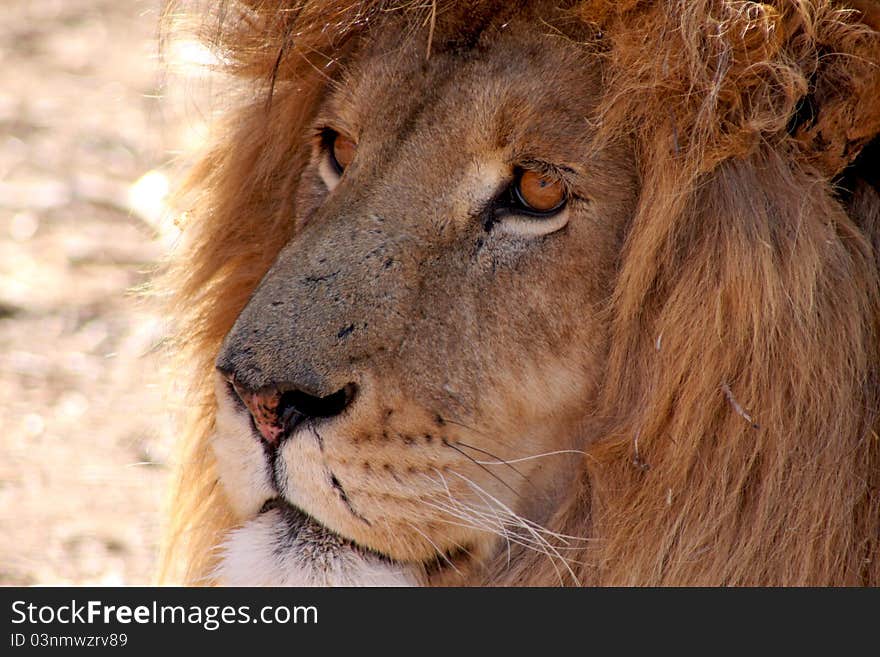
{"x":732,"y":438}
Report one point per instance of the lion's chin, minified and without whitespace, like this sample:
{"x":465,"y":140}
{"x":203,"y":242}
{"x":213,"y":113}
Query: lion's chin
{"x":282,"y":546}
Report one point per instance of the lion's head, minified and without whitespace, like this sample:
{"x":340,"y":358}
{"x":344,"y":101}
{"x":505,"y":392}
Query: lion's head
{"x":541,"y":292}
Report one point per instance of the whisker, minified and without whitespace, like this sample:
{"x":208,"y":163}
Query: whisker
{"x":482,"y":434}
{"x":531,"y":530}
{"x":491,"y":474}
{"x":466,"y":426}
{"x":541,"y":546}
{"x":465,"y":512}
{"x":439,"y":552}
{"x":534,"y":456}
{"x":458,"y":503}
{"x":493,"y":437}
{"x":520,"y":520}
{"x":501,"y":532}
{"x":475,"y":519}
{"x":496,"y":439}
{"x":535,"y":538}
{"x":475,"y":516}
{"x":494,"y":456}
{"x":459,"y":507}
{"x":473,"y":522}
{"x":565,"y":538}
{"x":494,"y":523}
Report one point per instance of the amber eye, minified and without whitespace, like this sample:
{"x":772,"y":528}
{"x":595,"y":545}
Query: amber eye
{"x":540,"y":193}
{"x":342,"y":151}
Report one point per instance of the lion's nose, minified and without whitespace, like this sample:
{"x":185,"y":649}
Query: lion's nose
{"x":277,"y":411}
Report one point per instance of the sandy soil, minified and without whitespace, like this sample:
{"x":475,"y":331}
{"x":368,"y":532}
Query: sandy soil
{"x":85,"y":147}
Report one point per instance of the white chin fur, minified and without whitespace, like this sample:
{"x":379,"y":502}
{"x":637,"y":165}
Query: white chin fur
{"x":272,"y":550}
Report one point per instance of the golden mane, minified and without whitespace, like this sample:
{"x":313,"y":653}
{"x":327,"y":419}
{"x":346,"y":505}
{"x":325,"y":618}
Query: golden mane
{"x":737,"y":439}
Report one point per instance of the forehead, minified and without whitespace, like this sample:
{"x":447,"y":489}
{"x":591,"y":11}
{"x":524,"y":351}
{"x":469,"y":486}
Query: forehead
{"x":513,"y":75}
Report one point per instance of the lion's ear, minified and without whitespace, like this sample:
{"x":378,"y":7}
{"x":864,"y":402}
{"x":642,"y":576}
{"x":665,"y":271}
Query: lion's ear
{"x":841,"y":112}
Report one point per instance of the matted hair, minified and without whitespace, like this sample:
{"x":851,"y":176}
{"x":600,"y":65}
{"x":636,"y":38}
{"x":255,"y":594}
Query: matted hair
{"x":736,"y":441}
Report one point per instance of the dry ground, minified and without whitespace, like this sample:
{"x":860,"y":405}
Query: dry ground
{"x":84,"y":430}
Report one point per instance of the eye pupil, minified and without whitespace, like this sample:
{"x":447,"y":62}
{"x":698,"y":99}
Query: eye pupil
{"x":540,"y":193}
{"x":343,"y":151}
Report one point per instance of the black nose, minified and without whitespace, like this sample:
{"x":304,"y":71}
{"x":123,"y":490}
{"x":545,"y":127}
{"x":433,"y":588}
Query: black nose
{"x":278,"y":410}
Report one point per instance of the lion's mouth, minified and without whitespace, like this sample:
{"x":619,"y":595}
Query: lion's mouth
{"x":301,"y":542}
{"x":284,"y":546}
{"x":305,"y":529}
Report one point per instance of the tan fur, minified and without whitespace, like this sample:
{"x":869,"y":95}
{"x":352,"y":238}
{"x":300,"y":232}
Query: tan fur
{"x":710,"y":345}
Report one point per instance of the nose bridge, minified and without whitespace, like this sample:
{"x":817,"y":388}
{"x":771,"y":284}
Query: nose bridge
{"x":432,"y":182}
{"x":333,"y":297}
{"x":337,"y":294}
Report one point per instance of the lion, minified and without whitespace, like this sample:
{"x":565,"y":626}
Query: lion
{"x":537,"y":293}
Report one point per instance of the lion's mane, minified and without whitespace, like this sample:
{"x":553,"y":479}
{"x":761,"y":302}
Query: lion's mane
{"x":737,"y":439}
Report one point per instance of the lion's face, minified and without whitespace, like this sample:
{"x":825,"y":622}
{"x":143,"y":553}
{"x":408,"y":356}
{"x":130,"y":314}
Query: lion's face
{"x":414,"y":370}
{"x":588,"y":295}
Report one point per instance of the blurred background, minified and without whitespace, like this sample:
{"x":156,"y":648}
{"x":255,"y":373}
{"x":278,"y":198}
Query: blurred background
{"x":89,"y":143}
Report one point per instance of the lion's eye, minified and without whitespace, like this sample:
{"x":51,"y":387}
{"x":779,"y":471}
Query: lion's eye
{"x":342,"y":151}
{"x":338,"y":151}
{"x":535,"y":203}
{"x":539,"y":193}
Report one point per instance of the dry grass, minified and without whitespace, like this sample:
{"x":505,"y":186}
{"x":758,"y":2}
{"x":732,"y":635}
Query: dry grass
{"x":84,"y":430}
